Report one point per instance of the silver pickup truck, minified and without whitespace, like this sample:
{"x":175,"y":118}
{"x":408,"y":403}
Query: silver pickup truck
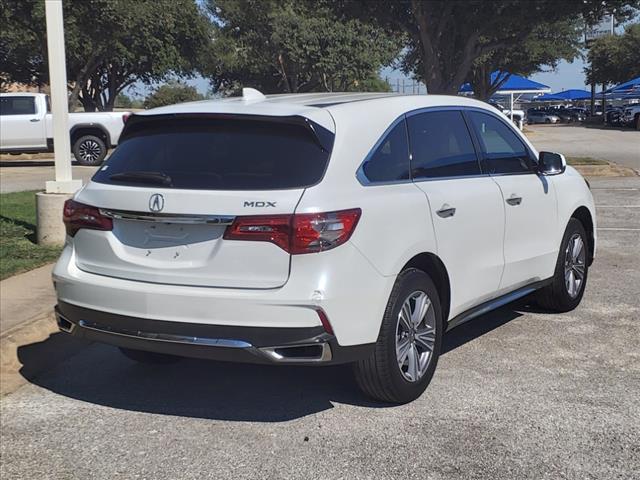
{"x":26,"y":127}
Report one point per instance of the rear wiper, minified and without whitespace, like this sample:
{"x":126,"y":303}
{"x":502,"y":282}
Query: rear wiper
{"x":157,"y":178}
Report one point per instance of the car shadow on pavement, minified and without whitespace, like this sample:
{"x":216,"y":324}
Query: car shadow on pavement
{"x":99,"y":374}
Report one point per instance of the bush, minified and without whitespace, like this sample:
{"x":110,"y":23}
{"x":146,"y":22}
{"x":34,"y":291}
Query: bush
{"x":170,"y":93}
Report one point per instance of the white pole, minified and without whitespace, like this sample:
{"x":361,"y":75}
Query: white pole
{"x":512,"y":106}
{"x":59,"y":103}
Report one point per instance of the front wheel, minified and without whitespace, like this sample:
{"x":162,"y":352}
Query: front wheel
{"x":409,"y":343}
{"x":572,"y":267}
{"x":89,"y":150}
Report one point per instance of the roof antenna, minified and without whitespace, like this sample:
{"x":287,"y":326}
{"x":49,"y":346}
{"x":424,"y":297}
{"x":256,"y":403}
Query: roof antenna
{"x":251,"y":95}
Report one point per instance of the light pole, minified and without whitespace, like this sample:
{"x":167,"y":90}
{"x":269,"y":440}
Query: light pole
{"x":49,"y":203}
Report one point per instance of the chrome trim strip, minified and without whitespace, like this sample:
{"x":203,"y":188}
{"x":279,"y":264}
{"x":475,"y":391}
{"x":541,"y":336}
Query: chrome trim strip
{"x":166,"y":337}
{"x":169,"y":217}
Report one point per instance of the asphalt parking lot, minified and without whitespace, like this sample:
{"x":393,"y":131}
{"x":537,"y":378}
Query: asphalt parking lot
{"x":519,"y":393}
{"x":619,"y":145}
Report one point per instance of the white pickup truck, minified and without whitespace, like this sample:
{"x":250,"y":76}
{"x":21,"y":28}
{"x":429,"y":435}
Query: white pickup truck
{"x":26,"y":127}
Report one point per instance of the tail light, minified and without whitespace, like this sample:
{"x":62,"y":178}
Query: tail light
{"x":77,"y":215}
{"x":297,"y":234}
{"x":125,"y":117}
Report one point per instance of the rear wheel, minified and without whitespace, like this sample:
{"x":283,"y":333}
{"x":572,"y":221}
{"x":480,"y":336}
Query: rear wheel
{"x":142,"y":356}
{"x":409,"y":343}
{"x":89,"y":150}
{"x":570,"y":277}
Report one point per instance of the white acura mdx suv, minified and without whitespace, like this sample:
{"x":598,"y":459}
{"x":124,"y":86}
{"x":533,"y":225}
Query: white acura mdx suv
{"x":317,"y":229}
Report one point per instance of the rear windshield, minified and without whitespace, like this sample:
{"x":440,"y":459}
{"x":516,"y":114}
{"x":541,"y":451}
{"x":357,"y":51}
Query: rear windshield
{"x":216,"y":154}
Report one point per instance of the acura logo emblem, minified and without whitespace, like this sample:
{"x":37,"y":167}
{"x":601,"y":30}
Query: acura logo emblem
{"x":156,"y":202}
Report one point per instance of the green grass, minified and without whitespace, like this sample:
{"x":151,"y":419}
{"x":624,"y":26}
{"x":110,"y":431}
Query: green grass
{"x":19,"y":251}
{"x":585,"y":161}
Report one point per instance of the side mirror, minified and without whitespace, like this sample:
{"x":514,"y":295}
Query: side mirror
{"x":551,"y":163}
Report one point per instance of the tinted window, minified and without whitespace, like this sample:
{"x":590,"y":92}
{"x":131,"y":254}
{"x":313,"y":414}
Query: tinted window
{"x":503,"y":151}
{"x":390,"y":161}
{"x":217,"y":154}
{"x":17,"y":106}
{"x":441,"y":145}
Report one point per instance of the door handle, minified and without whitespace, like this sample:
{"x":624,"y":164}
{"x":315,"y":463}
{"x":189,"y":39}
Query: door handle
{"x":446,"y":211}
{"x":34,"y":120}
{"x":514,"y":200}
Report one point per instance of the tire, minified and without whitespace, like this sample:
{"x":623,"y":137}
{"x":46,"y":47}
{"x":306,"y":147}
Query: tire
{"x":381,"y":376}
{"x":638,"y":121}
{"x":558,"y":296}
{"x":155,"y":358}
{"x":89,"y":150}
{"x":547,"y":120}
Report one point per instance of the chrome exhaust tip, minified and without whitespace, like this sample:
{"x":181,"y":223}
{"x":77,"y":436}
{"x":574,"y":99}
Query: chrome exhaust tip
{"x":307,"y":353}
{"x":64,"y":324}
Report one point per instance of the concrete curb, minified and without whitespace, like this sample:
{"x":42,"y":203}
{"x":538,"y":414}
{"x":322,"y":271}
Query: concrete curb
{"x":27,"y":319}
{"x":18,"y":365}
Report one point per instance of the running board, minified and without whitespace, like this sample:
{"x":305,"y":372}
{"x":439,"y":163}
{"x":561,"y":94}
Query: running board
{"x":496,"y":303}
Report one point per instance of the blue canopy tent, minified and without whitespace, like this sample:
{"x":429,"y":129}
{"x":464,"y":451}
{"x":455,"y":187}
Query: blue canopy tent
{"x":549,"y":97}
{"x":513,"y":85}
{"x":630,"y":89}
{"x":573,"y":94}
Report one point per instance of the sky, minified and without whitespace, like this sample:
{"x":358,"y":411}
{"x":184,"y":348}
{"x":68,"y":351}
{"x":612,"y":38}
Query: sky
{"x":566,"y":76}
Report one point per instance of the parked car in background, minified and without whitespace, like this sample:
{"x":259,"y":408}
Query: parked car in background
{"x":537,"y":116}
{"x":568,"y":115}
{"x":615,"y":116}
{"x":518,"y":115}
{"x":631,"y":116}
{"x":26,"y":127}
{"x":316,"y":229}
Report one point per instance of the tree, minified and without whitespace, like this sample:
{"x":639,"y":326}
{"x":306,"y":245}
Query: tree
{"x":110,"y":44}
{"x":294,"y":46}
{"x":615,"y":59}
{"x":170,"y":93}
{"x":125,"y":101}
{"x":446,"y":37}
{"x":22,"y":44}
{"x":543,"y":48}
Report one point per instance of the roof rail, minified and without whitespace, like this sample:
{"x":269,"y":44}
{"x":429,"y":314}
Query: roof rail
{"x":251,"y":95}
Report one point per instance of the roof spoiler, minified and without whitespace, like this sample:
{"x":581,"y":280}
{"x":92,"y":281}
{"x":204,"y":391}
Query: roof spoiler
{"x":323,"y":137}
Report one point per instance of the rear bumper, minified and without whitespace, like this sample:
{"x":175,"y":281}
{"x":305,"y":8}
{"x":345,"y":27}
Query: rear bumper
{"x":300,"y":346}
{"x":341,"y":283}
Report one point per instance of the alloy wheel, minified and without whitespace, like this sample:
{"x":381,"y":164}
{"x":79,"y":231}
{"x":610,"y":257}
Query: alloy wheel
{"x":574,"y":265}
{"x":89,"y":151}
{"x":415,"y":336}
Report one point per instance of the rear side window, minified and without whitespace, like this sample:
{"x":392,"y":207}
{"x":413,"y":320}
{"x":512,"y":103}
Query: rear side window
{"x":217,"y":154}
{"x":390,"y":160}
{"x":502,"y":150}
{"x":441,"y":145}
{"x":17,"y":106}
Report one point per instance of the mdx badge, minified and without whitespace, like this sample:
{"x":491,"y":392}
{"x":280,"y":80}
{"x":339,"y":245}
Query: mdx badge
{"x":259,"y":204}
{"x":156,"y":202}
